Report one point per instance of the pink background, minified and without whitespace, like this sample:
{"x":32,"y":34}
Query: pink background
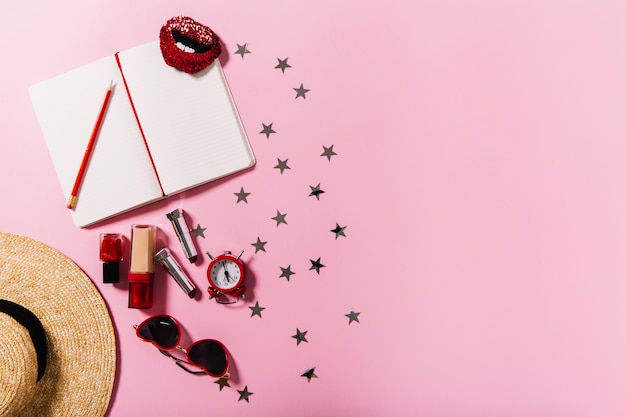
{"x":479,"y":171}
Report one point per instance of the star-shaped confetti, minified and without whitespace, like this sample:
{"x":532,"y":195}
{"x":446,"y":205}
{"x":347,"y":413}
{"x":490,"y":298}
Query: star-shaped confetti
{"x":353,"y":316}
{"x":244,"y":394}
{"x":259,"y":245}
{"x":267,"y":130}
{"x":222,"y":382}
{"x":316,"y":191}
{"x":282,"y":64}
{"x":301,"y":91}
{"x":242,"y":50}
{"x":256,"y":310}
{"x":282,"y":165}
{"x":198,"y":231}
{"x":286,"y":272}
{"x":300,"y":336}
{"x":339,"y":231}
{"x":242,"y":196}
{"x":309,"y":374}
{"x":280,"y":218}
{"x":328,"y":152}
{"x":316,"y":264}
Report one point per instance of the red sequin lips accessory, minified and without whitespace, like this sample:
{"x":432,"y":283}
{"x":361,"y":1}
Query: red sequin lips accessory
{"x":188,"y":45}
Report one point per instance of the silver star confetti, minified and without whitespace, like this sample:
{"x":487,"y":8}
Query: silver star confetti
{"x":280,"y":218}
{"x":267,"y":130}
{"x":309,"y":374}
{"x":256,"y":310}
{"x":352,"y":316}
{"x":316,"y":265}
{"x":316,"y":191}
{"x":244,"y":394}
{"x":328,"y":152}
{"x":339,"y":231}
{"x":259,"y":245}
{"x":301,"y":91}
{"x":242,"y":196}
{"x":282,"y":64}
{"x":286,"y":272}
{"x":300,"y":336}
{"x":198,"y":231}
{"x":242,"y":50}
{"x":222,"y":382}
{"x":282,"y":165}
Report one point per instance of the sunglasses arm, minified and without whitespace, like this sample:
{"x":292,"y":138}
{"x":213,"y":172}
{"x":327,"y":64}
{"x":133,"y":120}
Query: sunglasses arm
{"x":179,"y":363}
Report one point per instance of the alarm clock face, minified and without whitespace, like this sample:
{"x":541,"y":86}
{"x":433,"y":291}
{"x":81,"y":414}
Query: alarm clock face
{"x":225,"y":273}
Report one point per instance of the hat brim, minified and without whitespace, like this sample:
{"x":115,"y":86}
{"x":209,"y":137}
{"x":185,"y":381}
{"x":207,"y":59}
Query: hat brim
{"x":81,"y":359}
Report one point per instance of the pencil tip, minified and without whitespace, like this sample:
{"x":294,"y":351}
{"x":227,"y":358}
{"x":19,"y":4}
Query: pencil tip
{"x":71,"y":202}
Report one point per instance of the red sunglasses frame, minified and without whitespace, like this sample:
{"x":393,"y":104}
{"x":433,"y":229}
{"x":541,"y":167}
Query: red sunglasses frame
{"x":178,"y":361}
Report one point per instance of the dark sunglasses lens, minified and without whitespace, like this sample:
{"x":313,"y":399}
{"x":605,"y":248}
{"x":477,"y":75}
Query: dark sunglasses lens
{"x":162,"y":330}
{"x":210,"y":355}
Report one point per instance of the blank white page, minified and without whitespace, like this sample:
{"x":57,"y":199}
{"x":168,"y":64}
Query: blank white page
{"x":190,"y":122}
{"x":120,"y":175}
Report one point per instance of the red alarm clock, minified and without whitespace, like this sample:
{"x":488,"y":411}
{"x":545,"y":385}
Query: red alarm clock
{"x":226,"y":274}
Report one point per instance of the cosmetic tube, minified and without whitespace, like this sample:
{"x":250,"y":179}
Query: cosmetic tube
{"x":165,"y":258}
{"x":179,"y":224}
{"x":111,"y":256}
{"x":141,"y":274}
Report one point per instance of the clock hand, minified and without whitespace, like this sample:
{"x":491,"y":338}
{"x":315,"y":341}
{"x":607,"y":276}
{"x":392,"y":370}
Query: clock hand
{"x":226,"y":274}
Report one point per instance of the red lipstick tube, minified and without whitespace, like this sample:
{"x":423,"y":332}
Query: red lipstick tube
{"x":111,"y":256}
{"x":141,"y":274}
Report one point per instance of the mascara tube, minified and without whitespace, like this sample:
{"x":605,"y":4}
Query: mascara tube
{"x":141,"y":274}
{"x":165,"y":258}
{"x":177,"y":218}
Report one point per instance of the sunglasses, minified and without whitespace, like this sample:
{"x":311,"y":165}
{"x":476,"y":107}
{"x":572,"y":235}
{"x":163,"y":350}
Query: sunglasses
{"x":207,"y":354}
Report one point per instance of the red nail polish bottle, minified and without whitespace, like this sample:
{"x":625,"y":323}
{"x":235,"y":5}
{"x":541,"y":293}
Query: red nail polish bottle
{"x":111,"y":256}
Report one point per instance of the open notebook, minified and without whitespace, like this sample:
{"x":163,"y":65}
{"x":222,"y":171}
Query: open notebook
{"x":192,"y":131}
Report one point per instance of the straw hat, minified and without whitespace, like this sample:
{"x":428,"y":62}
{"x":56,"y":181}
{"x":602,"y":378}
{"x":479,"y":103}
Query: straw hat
{"x":79,"y":355}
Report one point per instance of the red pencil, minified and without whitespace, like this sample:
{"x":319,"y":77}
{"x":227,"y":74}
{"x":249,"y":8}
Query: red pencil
{"x":92,"y":140}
